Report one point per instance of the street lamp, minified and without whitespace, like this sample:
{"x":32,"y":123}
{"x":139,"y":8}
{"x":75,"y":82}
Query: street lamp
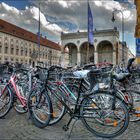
{"x":113,"y":20}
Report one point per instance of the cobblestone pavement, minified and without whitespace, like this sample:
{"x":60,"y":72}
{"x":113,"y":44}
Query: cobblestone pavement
{"x":15,"y":126}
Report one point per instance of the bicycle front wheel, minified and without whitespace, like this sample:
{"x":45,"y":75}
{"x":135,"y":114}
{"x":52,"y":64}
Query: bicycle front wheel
{"x":102,"y":118}
{"x":6,"y":100}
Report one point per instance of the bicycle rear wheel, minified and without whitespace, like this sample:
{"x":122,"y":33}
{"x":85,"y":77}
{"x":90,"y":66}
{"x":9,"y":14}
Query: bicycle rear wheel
{"x":39,"y":106}
{"x":58,"y":109}
{"x":101,"y":119}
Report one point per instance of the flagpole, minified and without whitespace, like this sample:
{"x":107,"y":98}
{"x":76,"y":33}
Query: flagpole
{"x":39,"y":35}
{"x":87,"y":33}
{"x":87,"y":52}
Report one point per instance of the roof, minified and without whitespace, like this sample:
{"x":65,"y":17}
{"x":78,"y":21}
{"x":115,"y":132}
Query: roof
{"x":16,"y":31}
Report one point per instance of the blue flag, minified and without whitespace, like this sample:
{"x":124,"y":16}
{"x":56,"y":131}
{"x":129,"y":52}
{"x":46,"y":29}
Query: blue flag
{"x":90,"y":26}
{"x":138,"y":47}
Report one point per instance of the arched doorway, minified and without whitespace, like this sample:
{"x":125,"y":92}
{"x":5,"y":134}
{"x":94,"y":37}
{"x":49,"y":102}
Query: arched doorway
{"x":70,"y":51}
{"x":105,"y":52}
{"x":87,"y":53}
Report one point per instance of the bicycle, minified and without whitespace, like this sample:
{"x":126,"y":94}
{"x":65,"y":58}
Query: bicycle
{"x":104,"y":108}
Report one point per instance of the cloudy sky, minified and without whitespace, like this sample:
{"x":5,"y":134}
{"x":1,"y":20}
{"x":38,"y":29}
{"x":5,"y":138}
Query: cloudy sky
{"x":70,"y":16}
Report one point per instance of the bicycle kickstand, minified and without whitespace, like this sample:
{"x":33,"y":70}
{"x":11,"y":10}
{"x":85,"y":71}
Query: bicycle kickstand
{"x":66,"y":127}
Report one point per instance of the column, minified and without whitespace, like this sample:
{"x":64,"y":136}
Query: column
{"x":95,"y":57}
{"x":62,"y":58}
{"x":78,"y":58}
{"x":114,"y":57}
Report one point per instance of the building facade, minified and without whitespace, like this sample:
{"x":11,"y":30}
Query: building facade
{"x":19,"y":45}
{"x":137,"y":27}
{"x":106,"y":47}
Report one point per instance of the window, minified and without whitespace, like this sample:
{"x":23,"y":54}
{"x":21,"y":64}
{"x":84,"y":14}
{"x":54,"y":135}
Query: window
{"x":30,"y":51}
{"x":11,"y":41}
{"x":21,"y":61}
{"x":21,"y":44}
{"x":6,"y":38}
{"x":17,"y":51}
{"x":0,"y":49}
{"x":12,"y":59}
{"x":0,"y":41}
{"x":6,"y":59}
{"x":22,"y":52}
{"x":6,"y":50}
{"x":12,"y":50}
{"x":16,"y":60}
{"x":6,"y":44}
{"x":26,"y":52}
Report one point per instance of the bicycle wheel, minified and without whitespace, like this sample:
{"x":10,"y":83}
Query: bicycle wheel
{"x":101,"y":119}
{"x":39,"y":106}
{"x":6,"y":100}
{"x":58,"y":110}
{"x":134,"y":108}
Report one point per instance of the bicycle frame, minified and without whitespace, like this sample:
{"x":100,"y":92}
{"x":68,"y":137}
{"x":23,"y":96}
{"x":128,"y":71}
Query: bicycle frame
{"x":53,"y":90}
{"x":12,"y":84}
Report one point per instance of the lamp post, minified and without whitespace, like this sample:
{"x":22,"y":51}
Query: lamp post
{"x":113,"y":20}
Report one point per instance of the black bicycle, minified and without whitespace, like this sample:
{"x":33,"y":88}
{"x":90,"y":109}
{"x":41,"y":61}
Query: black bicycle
{"x":102,"y":112}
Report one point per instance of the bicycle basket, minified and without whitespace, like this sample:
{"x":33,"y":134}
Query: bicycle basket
{"x":99,"y":80}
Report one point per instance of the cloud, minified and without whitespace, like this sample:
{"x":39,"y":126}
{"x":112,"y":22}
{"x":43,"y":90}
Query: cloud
{"x":70,"y":16}
{"x":10,"y":8}
{"x":28,"y":19}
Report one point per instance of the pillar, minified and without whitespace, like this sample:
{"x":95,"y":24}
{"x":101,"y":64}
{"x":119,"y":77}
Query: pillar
{"x":62,"y":58}
{"x":78,"y":58}
{"x":114,"y":57}
{"x":95,"y":57}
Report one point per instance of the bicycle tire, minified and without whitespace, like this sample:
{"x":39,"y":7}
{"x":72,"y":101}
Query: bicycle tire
{"x":96,"y":130}
{"x":33,"y":103}
{"x":58,"y":109}
{"x":9,"y":103}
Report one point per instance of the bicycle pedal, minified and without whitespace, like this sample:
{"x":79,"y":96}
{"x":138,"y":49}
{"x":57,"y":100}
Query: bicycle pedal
{"x":65,"y":128}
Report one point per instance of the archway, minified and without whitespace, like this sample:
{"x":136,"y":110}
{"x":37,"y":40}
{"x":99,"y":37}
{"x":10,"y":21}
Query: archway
{"x":105,"y":52}
{"x":87,"y":53}
{"x":70,"y":51}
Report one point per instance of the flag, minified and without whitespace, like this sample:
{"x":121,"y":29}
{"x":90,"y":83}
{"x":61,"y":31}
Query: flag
{"x":122,"y":1}
{"x":38,"y":34}
{"x":90,"y":26}
{"x":138,"y":47}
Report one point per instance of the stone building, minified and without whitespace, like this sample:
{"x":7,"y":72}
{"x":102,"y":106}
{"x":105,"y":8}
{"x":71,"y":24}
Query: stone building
{"x":137,"y":27}
{"x":19,"y":45}
{"x":106,"y":48}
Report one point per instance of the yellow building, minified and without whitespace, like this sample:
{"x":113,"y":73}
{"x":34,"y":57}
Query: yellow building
{"x":20,"y":45}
